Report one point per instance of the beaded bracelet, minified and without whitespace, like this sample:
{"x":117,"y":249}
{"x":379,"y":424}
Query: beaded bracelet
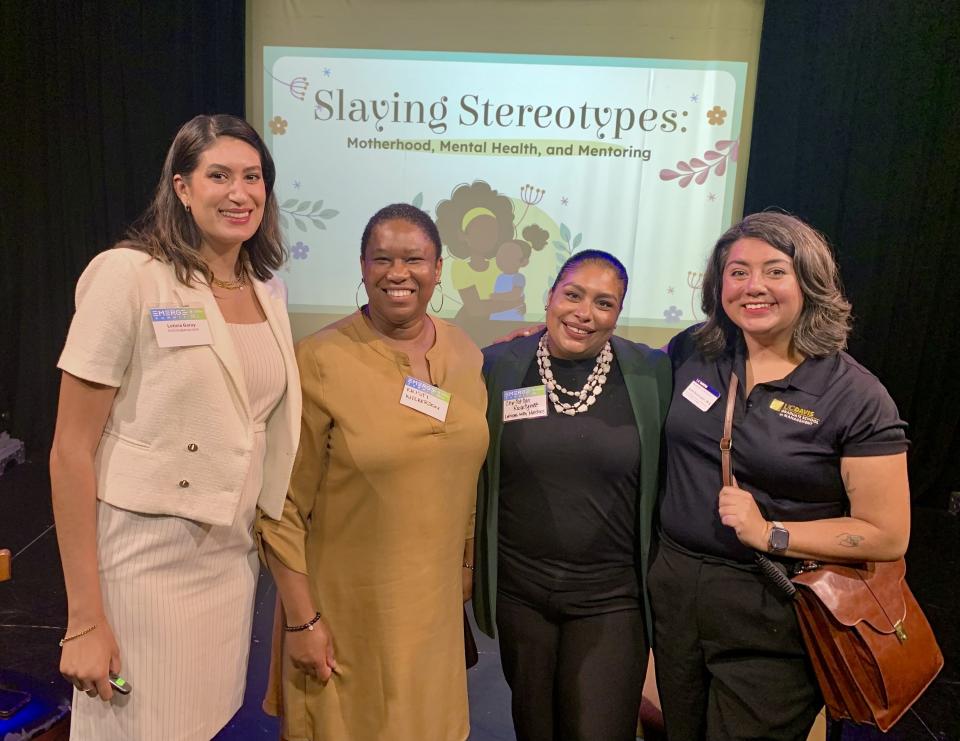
{"x":77,"y":635}
{"x":306,"y":626}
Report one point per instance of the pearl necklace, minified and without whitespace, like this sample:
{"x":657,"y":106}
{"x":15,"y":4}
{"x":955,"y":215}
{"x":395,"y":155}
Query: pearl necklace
{"x":585,"y":397}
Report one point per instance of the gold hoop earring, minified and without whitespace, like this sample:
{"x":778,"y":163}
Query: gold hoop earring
{"x":438,"y":288}
{"x":186,"y":207}
{"x":356,"y":296}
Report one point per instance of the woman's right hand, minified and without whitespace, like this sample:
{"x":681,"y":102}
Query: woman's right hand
{"x":311,"y":651}
{"x":86,"y":661}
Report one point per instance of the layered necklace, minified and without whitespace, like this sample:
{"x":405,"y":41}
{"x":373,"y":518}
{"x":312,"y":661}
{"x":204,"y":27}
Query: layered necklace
{"x":585,"y":397}
{"x":231,"y":285}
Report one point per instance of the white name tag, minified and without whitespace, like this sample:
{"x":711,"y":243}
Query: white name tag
{"x":700,"y":394}
{"x":525,"y":403}
{"x":425,"y":398}
{"x":180,"y":326}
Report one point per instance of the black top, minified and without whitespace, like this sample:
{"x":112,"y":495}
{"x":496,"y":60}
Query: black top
{"x":788,"y":438}
{"x":568,"y":488}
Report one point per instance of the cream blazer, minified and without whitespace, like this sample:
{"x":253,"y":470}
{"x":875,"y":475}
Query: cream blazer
{"x":179,"y":437}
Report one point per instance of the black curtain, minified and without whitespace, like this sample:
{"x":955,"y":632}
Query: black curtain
{"x":92,"y":94}
{"x":856,"y":131}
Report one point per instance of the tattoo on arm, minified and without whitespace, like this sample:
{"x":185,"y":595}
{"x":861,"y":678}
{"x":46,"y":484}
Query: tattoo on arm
{"x":849,"y":540}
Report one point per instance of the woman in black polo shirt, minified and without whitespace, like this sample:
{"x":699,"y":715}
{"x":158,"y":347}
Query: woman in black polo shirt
{"x":819,"y":457}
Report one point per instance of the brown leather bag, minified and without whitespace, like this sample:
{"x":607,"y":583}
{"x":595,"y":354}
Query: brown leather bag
{"x":870,"y":644}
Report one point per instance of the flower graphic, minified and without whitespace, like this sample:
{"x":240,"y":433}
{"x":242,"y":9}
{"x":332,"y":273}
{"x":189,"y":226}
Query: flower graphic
{"x":300,"y":251}
{"x":716,"y":115}
{"x":298,"y":87}
{"x":672,"y":314}
{"x":278,"y":125}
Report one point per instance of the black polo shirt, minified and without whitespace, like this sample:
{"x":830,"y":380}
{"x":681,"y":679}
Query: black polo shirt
{"x":788,"y":438}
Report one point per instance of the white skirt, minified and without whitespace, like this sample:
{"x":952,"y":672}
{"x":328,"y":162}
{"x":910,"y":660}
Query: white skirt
{"x":179,"y":597}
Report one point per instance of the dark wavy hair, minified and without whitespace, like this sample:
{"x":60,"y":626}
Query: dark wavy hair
{"x":824,"y":322}
{"x":167,"y":232}
{"x":407,"y":212}
{"x":596,"y":257}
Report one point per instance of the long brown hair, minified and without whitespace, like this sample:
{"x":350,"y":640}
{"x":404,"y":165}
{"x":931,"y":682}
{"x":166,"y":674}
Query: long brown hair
{"x":824,"y":323}
{"x":167,"y":232}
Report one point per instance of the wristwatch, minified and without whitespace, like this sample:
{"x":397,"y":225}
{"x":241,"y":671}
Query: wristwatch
{"x":779,"y":539}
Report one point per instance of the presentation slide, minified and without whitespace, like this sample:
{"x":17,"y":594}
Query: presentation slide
{"x":522,"y":160}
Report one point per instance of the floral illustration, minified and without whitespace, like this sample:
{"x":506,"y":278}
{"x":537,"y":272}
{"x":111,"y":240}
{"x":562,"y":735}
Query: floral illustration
{"x":672,"y":314}
{"x":278,"y":125}
{"x":300,"y":251}
{"x":302,"y":212}
{"x":297,"y":86}
{"x":716,"y":115}
{"x":697,"y":170}
{"x":695,"y":283}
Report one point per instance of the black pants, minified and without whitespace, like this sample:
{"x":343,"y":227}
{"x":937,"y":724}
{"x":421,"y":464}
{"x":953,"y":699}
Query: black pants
{"x":573,"y":678}
{"x":729,"y":657}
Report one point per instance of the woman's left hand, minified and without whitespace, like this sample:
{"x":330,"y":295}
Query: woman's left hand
{"x":738,"y":509}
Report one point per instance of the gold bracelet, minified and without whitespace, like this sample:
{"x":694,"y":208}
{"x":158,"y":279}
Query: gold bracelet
{"x":468,"y":565}
{"x":77,"y":635}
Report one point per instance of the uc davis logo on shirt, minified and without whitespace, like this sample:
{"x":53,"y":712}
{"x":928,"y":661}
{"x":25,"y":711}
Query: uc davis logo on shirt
{"x":794,"y":413}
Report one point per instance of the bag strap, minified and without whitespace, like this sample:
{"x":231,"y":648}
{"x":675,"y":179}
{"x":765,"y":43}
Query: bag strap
{"x":766,"y":566}
{"x":726,"y":442}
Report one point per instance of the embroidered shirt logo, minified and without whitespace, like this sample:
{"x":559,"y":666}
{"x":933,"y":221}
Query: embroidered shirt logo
{"x":795,"y":413}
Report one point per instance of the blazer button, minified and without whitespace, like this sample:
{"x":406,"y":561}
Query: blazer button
{"x":192,"y":447}
{"x":184,"y":484}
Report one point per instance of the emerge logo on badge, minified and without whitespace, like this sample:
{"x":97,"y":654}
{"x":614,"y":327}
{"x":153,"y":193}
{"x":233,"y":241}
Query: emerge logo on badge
{"x":525,"y":403}
{"x":180,"y":326}
{"x":425,"y":398}
{"x":794,"y":413}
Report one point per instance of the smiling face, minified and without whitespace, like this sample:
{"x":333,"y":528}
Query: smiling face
{"x":760,"y":292}
{"x":400,"y":269}
{"x":225,"y":193}
{"x":583,"y":310}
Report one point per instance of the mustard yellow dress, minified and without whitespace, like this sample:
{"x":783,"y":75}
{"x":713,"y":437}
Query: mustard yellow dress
{"x":381,"y":502}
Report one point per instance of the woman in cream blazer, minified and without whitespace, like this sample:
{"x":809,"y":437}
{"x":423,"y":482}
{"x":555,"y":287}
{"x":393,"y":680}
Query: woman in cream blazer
{"x":178,"y":418}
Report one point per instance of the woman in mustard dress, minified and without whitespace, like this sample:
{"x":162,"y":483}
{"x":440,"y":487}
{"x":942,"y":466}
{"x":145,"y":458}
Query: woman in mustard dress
{"x":374,"y":552}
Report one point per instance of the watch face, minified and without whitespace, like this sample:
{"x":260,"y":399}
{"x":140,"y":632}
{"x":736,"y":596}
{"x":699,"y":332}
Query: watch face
{"x":779,"y":539}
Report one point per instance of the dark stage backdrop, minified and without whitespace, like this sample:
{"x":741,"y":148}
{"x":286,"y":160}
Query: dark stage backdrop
{"x":856,"y":131}
{"x":92,"y":95}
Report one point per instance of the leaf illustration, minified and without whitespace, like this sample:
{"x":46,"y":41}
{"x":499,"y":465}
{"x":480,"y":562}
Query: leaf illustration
{"x":683,"y":166}
{"x":698,"y":163}
{"x":283,"y":222}
{"x":328,"y":213}
{"x":289,"y":203}
{"x":576,"y":240}
{"x":668,"y":174}
{"x":701,"y":177}
{"x":559,"y":245}
{"x":685,"y":180}
{"x":721,"y":168}
{"x":734,"y":151}
{"x":565,"y":233}
{"x":320,"y":225}
{"x":301,"y":225}
{"x":711,"y":155}
{"x":724,"y":144}
{"x":302,"y":208}
{"x":418,"y":199}
{"x":317,"y":206}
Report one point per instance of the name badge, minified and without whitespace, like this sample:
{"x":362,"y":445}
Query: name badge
{"x":525,"y":403}
{"x":180,"y":326}
{"x":425,"y":398}
{"x":701,"y":395}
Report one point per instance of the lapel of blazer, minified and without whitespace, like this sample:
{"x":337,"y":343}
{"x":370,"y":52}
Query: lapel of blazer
{"x":642,"y":389}
{"x":222,"y":341}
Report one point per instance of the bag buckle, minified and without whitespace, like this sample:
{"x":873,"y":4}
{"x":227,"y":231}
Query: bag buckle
{"x":802,"y":567}
{"x":901,"y":633}
{"x":726,"y":444}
